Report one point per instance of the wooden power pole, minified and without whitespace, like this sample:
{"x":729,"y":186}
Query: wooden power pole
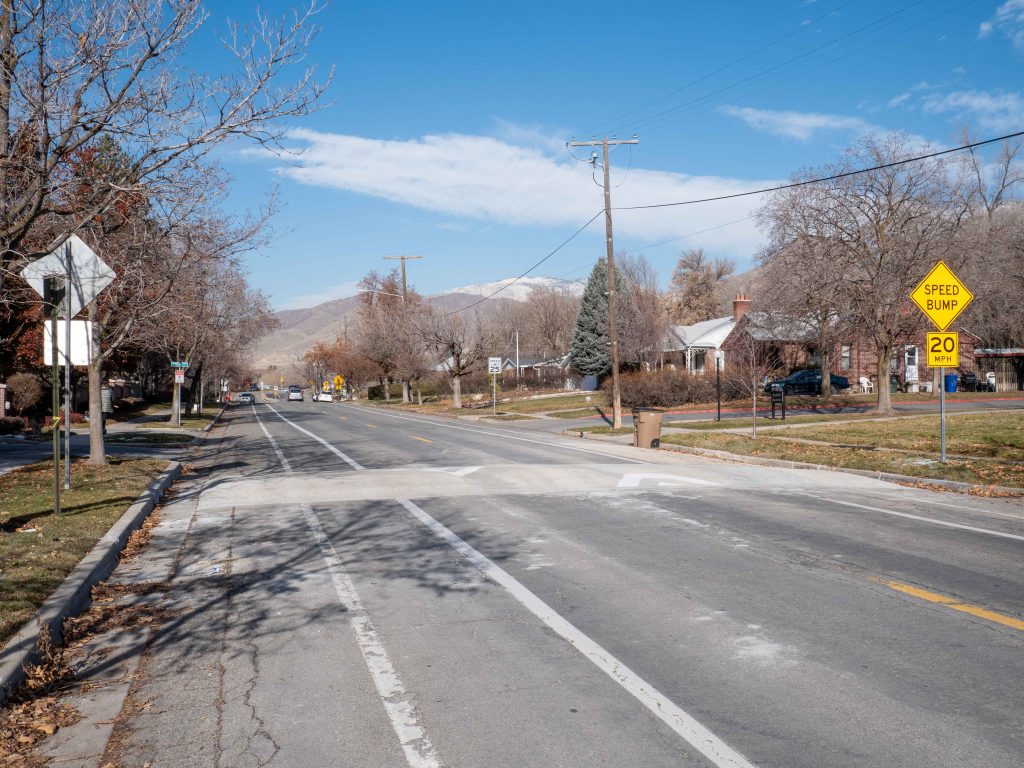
{"x":403,"y":258}
{"x":613,"y":329}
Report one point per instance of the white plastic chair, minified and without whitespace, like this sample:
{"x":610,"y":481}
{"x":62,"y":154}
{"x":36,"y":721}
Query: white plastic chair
{"x":867,"y":385}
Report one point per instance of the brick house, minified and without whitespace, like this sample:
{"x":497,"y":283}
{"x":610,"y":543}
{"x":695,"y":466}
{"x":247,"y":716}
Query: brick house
{"x":790,"y":343}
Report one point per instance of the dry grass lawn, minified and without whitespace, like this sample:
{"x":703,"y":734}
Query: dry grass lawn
{"x":37,"y":548}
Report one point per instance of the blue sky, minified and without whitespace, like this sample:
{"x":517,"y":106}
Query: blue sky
{"x":445,"y":129}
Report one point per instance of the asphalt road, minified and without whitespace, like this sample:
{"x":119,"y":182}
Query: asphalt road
{"x":367,"y":588}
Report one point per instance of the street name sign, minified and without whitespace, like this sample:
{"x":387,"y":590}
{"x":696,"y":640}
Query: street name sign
{"x":943,"y":350}
{"x":494,"y":365}
{"x":179,"y":364}
{"x":89,"y":274}
{"x":941,"y":296}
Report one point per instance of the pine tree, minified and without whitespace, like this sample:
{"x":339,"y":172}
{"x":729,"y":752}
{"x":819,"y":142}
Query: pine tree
{"x":589,"y":348}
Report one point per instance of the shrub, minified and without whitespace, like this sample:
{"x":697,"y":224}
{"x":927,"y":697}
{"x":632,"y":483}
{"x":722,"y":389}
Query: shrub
{"x":664,"y":388}
{"x":12,"y":425}
{"x":26,"y":391}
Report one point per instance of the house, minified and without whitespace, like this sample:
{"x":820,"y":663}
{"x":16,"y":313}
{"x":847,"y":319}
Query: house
{"x":786,"y":343}
{"x":693,"y":346}
{"x":1007,"y":364}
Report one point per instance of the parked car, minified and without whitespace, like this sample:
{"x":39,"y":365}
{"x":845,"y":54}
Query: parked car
{"x":806,"y":383}
{"x":246,"y":398}
{"x":322,"y":397}
{"x":969,"y":382}
{"x":295,"y":392}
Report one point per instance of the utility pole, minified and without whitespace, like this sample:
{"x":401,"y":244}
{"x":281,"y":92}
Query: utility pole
{"x":613,"y":329}
{"x":403,"y":258}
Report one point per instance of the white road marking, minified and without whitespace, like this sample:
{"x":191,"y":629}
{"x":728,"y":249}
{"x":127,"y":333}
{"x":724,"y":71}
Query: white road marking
{"x":351,"y":462}
{"x":684,"y":725}
{"x":921,"y":518}
{"x":461,"y":472}
{"x":634,"y":479}
{"x":419,"y":750}
{"x":507,"y":436}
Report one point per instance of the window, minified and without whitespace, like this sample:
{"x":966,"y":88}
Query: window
{"x":910,"y":354}
{"x":698,"y":361}
{"x":845,"y":357}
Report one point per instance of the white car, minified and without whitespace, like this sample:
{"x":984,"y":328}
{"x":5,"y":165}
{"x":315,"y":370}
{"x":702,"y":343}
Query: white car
{"x":294,"y":393}
{"x":323,"y":397}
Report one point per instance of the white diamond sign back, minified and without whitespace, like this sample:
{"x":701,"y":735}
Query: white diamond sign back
{"x":89,"y":274}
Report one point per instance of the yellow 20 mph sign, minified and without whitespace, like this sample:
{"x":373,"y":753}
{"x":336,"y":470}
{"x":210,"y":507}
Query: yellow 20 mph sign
{"x":943,"y":350}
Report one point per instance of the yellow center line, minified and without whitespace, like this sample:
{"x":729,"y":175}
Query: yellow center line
{"x":956,"y":605}
{"x":421,"y":439}
{"x":372,"y":426}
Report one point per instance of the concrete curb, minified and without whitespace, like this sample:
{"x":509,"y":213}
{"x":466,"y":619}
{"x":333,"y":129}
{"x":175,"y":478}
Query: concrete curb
{"x":201,"y":438}
{"x":73,"y":595}
{"x":888,"y":477}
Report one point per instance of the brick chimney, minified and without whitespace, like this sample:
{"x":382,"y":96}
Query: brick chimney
{"x":740,"y":306}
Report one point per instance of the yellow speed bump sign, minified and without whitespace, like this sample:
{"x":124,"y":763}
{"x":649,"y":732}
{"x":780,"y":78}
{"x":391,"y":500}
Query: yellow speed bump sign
{"x":942,"y":296}
{"x":339,"y":382}
{"x":943,"y":350}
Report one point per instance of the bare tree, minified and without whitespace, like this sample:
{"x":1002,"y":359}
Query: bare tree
{"x":76,"y":71}
{"x":550,"y":315}
{"x":459,"y":344}
{"x":642,"y":320}
{"x":692,"y":295}
{"x":884,"y":229}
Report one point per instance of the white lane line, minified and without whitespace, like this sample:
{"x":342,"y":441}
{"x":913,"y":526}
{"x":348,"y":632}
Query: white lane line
{"x":920,"y":518}
{"x":684,"y":725}
{"x":419,"y":750}
{"x":351,"y":462}
{"x":507,"y":436}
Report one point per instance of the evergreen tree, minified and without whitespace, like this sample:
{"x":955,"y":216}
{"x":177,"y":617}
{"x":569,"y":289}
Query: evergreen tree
{"x":589,"y":349}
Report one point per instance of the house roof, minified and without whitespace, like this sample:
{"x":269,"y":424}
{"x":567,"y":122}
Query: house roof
{"x":707,"y":334}
{"x":766,"y":326}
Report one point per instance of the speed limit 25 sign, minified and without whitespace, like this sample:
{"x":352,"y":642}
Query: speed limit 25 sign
{"x":943,"y":350}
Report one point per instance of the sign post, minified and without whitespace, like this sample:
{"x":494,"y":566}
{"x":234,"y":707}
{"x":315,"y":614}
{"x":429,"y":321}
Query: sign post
{"x":494,"y":368}
{"x":719,"y":354}
{"x":942,"y":297}
{"x":179,"y":367}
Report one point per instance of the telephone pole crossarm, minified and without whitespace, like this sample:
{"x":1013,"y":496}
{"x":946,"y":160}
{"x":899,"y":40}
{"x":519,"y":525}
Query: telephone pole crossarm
{"x":404,"y":259}
{"x":613,"y":329}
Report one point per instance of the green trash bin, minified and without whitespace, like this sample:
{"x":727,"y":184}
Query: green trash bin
{"x":894,"y":383}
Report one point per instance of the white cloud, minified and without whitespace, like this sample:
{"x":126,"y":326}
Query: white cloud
{"x":1002,"y":111}
{"x":897,"y":101}
{"x":797,"y":125}
{"x":327,"y":293}
{"x":480,"y":177}
{"x":1009,"y":19}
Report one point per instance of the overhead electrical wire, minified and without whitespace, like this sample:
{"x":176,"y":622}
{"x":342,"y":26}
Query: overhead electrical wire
{"x":779,"y":188}
{"x":859,"y":32}
{"x":822,"y":179}
{"x":703,"y":110}
{"x":515,"y":280}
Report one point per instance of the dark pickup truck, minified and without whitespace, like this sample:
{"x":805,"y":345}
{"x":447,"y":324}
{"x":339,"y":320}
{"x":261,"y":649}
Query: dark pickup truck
{"x":806,"y":383}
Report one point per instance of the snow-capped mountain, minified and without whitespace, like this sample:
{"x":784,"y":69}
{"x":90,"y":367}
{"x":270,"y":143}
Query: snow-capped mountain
{"x":519,"y":290}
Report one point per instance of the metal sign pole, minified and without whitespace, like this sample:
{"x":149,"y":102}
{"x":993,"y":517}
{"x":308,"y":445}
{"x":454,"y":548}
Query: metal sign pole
{"x":942,"y":415}
{"x":494,"y":394}
{"x":55,"y":403}
{"x":67,"y":375}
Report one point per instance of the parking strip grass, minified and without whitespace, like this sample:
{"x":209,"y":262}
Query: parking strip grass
{"x":983,"y":435}
{"x":39,"y":549}
{"x":509,"y":417}
{"x":922,"y":465}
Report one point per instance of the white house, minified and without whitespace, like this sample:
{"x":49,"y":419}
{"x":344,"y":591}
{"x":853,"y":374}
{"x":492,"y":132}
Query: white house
{"x":694,"y":346}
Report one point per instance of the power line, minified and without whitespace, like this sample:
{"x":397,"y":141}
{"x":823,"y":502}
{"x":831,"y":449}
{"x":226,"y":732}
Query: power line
{"x":721,"y":69}
{"x":520,"y":277}
{"x":823,"y":179}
